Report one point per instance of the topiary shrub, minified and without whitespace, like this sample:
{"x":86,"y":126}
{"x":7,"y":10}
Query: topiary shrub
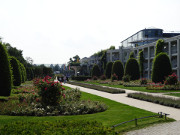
{"x":30,"y":74}
{"x":5,"y":72}
{"x":141,"y":63}
{"x":109,"y":69}
{"x":114,"y":77}
{"x":96,"y":71}
{"x":126,"y":78}
{"x":15,"y":71}
{"x":103,"y":77}
{"x":131,"y":55}
{"x":118,"y":69}
{"x":161,"y":68}
{"x":171,"y":79}
{"x":23,"y":73}
{"x":159,"y":46}
{"x":132,"y":69}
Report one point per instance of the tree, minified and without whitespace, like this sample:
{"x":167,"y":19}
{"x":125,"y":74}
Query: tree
{"x":5,"y":72}
{"x":16,"y":71}
{"x":118,"y":69}
{"x":30,"y":74}
{"x":112,"y":47}
{"x":159,"y":46}
{"x":56,"y":67}
{"x":109,"y":69}
{"x":95,"y":71}
{"x":161,"y":67}
{"x":132,"y":69}
{"x":141,"y":63}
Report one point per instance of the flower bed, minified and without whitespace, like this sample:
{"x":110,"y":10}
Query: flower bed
{"x":156,"y":99}
{"x":48,"y":98}
{"x":97,"y":87}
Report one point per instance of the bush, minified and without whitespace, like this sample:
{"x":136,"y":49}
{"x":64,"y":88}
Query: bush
{"x":49,"y":91}
{"x":71,"y":127}
{"x":118,"y":69}
{"x":132,"y":69}
{"x":131,"y":55}
{"x":159,"y":46}
{"x":171,"y":79}
{"x":109,"y":69}
{"x":126,"y":78}
{"x":80,"y":78}
{"x":114,"y":77}
{"x":94,"y":78}
{"x":141,"y":63}
{"x":96,"y":71}
{"x":23,"y":73}
{"x":5,"y":72}
{"x":103,"y":77}
{"x":30,"y":74}
{"x":15,"y":71}
{"x":161,"y":68}
{"x":143,"y":81}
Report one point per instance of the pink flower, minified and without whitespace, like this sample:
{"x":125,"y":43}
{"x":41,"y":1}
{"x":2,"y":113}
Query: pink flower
{"x":46,"y":88}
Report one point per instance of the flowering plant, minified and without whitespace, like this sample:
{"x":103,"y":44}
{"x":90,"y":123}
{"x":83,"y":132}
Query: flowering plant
{"x":50,"y":92}
{"x":114,"y":77}
{"x":171,"y":79}
{"x":143,"y":81}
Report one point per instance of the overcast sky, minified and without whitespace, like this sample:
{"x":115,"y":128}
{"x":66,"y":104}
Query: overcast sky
{"x":52,"y":31}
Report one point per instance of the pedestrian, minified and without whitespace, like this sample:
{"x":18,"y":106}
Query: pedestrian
{"x":64,"y":79}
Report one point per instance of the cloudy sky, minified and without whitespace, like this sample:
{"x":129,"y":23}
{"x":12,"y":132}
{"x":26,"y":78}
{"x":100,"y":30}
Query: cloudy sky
{"x":52,"y":31}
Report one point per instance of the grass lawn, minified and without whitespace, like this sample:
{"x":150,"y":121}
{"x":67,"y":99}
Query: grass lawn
{"x":115,"y":114}
{"x":140,"y":89}
{"x":174,"y":94}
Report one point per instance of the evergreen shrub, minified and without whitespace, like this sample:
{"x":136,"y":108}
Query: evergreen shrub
{"x":16,"y":71}
{"x":5,"y":72}
{"x":96,"y":71}
{"x":161,"y":68}
{"x":109,"y":69}
{"x":118,"y":69}
{"x":159,"y":46}
{"x":132,"y":69}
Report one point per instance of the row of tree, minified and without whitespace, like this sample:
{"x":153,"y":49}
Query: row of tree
{"x":135,"y":68}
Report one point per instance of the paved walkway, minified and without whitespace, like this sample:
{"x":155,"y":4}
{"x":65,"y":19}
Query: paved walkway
{"x":172,"y":128}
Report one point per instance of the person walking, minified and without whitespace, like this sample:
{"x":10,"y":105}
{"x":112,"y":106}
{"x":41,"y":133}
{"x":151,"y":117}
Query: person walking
{"x":64,"y":79}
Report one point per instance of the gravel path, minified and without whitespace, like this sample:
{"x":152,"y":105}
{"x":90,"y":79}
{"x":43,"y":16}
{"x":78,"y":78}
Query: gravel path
{"x":172,"y":128}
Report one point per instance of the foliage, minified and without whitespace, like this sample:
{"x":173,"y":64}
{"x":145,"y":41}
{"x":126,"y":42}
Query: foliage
{"x":80,"y":78}
{"x":171,"y":79}
{"x":112,"y":47}
{"x":97,"y":87}
{"x":114,"y":77}
{"x":96,"y":71}
{"x":94,"y":78}
{"x":156,"y":99}
{"x":161,"y":68}
{"x":16,"y":71}
{"x":126,"y":78}
{"x":49,"y":91}
{"x":141,"y":63}
{"x":118,"y":69}
{"x":103,"y":77}
{"x":109,"y":69}
{"x":23,"y":73}
{"x":5,"y":72}
{"x":131,"y":55}
{"x":159,"y":46}
{"x":132,"y":69}
{"x":143,"y":81}
{"x":73,"y":127}
{"x":74,"y":61}
{"x":30,"y":74}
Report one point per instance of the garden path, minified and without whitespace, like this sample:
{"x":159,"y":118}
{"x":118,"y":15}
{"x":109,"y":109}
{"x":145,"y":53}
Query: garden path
{"x":122,"y":98}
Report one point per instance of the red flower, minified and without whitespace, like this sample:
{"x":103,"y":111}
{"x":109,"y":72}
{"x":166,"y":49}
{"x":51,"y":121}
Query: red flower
{"x":46,"y":88}
{"x":63,"y":88}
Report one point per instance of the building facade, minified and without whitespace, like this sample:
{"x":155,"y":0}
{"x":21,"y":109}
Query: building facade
{"x":171,"y":47}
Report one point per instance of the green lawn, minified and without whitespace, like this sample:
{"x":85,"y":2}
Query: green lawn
{"x":115,"y":114}
{"x":141,"y":89}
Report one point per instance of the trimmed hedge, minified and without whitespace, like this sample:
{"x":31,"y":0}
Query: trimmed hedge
{"x":159,"y":46}
{"x":5,"y":72}
{"x":16,"y":71}
{"x":97,"y":87}
{"x":80,"y":78}
{"x":141,"y":63}
{"x":156,"y":99}
{"x":72,"y":127}
{"x":132,"y":69}
{"x":118,"y":69}
{"x":96,"y":71}
{"x":161,"y":68}
{"x":109,"y":69}
{"x":30,"y":74}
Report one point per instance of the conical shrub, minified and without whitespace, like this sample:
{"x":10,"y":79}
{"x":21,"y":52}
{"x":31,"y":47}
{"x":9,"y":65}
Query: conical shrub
{"x":109,"y":69}
{"x":118,"y":69}
{"x":5,"y":72}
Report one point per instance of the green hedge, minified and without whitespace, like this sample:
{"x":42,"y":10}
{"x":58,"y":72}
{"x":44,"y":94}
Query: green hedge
{"x":132,"y":69}
{"x":161,"y":68}
{"x":80,"y":78}
{"x":73,"y":127}
{"x":118,"y":69}
{"x":96,"y":71}
{"x":109,"y":69}
{"x":5,"y":72}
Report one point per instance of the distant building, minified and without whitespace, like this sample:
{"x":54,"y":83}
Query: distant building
{"x":146,"y":40}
